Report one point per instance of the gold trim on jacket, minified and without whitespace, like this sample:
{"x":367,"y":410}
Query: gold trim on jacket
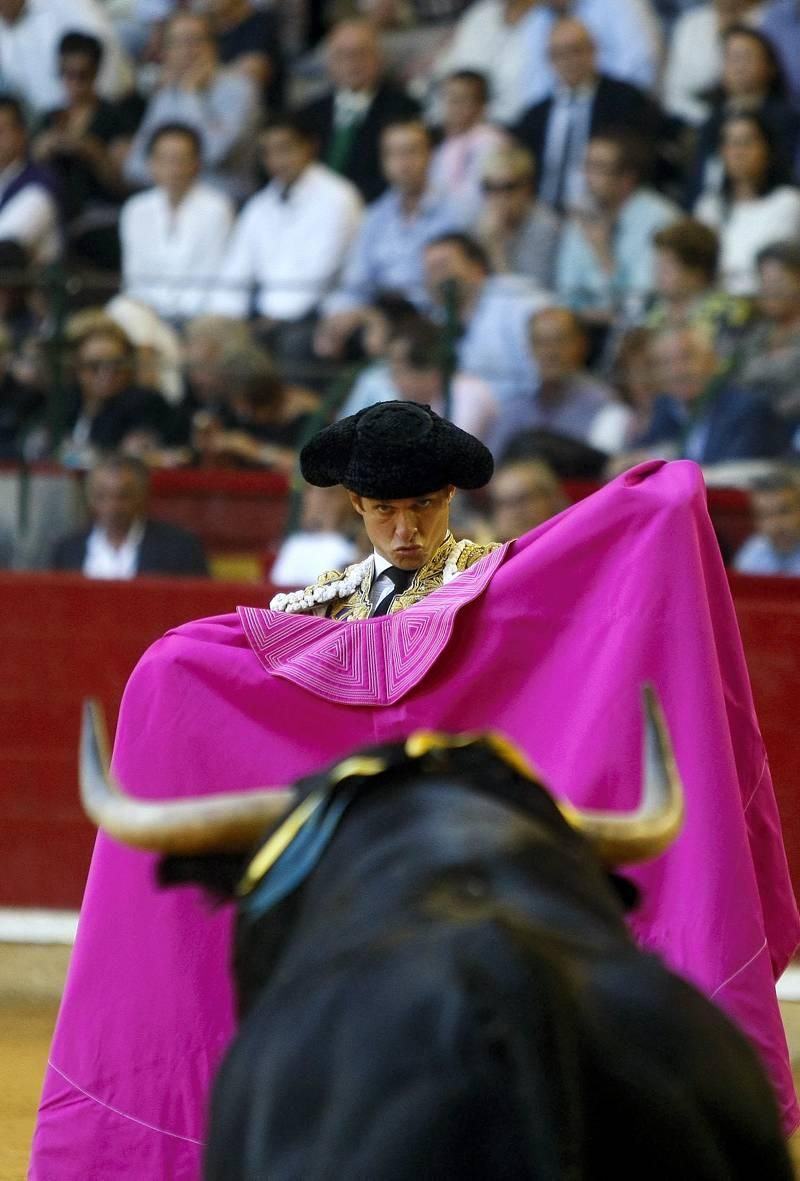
{"x":447,"y":562}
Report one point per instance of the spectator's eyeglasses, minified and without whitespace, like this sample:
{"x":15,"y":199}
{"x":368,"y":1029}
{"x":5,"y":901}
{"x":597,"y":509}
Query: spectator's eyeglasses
{"x":502,"y":186}
{"x":105,"y":364}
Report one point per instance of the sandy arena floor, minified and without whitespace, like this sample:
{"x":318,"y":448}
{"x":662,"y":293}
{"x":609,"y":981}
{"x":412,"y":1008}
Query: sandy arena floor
{"x":26,"y":1024}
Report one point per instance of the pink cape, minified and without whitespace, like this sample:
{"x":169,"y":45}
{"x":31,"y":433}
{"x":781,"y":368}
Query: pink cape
{"x":548,"y":640}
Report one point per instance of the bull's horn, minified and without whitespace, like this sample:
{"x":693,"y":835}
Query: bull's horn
{"x":625,"y":838}
{"x":209,"y":824}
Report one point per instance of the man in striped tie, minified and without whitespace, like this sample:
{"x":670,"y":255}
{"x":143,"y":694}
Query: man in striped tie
{"x":401,"y":465}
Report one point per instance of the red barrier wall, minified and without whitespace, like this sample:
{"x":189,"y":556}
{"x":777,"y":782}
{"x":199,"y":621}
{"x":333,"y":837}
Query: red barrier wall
{"x":768,"y":610}
{"x":232,"y":511}
{"x":63,"y":638}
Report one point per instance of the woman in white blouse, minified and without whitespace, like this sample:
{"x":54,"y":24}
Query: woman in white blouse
{"x":757,"y":204}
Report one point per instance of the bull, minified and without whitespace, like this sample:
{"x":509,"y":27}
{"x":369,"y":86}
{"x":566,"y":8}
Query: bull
{"x":436,"y":981}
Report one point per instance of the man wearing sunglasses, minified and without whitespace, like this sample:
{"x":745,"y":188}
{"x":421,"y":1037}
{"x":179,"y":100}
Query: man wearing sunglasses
{"x":109,"y":410}
{"x":519,"y":233}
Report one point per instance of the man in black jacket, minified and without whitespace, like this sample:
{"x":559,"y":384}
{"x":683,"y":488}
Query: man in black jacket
{"x":124,"y":542}
{"x":583,"y":103}
{"x":349,"y":120}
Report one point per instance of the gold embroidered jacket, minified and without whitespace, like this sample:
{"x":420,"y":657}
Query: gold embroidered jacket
{"x":449,"y":560}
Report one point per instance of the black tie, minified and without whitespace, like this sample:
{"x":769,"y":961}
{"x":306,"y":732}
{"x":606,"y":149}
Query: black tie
{"x":400,"y":579}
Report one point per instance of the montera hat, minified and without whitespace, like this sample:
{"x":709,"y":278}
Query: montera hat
{"x":395,"y":450}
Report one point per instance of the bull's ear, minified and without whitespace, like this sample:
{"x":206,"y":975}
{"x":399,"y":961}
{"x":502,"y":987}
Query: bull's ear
{"x":626,"y":890}
{"x":218,"y":873}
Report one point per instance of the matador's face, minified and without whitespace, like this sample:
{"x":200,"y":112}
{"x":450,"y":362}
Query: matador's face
{"x":406,"y":532}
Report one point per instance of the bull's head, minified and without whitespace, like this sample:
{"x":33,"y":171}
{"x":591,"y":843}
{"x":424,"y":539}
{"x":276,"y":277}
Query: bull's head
{"x":232,"y":823}
{"x":453,"y":991}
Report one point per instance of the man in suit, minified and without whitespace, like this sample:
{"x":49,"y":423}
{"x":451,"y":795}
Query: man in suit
{"x":123,"y":542}
{"x":701,"y":414}
{"x":583,"y":102}
{"x":349,"y":120}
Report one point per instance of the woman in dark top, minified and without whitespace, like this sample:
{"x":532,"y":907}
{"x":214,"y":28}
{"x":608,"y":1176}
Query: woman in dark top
{"x":752,"y":83}
{"x":84,"y":143}
{"x":269,"y":417}
{"x":248,"y":39}
{"x":106,"y":410}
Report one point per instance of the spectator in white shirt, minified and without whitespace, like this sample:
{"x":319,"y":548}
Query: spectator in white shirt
{"x":757,"y":205}
{"x":694,"y":59}
{"x":30,"y":33}
{"x":221,"y":105}
{"x":173,"y":236}
{"x":28,"y":211}
{"x":290,"y":240}
{"x":324,"y":540}
{"x":457,"y":163}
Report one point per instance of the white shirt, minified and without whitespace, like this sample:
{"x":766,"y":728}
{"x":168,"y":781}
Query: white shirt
{"x":171,"y":257}
{"x":30,"y":218}
{"x":29,"y":51}
{"x":747,"y":227}
{"x":381,"y":587}
{"x":302,"y":556}
{"x":350,"y":106}
{"x":104,"y":560}
{"x":291,"y":249}
{"x":608,"y":430}
{"x":694,"y":61}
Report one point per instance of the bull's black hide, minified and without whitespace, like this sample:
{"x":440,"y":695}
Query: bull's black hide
{"x":452,"y":994}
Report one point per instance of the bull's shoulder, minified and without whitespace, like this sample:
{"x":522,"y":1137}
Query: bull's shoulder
{"x":317,"y":598}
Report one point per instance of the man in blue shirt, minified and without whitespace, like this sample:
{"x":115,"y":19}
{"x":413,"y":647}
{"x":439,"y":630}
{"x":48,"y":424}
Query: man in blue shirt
{"x":775,"y":546}
{"x":605,"y":261}
{"x":491,"y":314}
{"x":387,"y":254}
{"x":568,"y":399}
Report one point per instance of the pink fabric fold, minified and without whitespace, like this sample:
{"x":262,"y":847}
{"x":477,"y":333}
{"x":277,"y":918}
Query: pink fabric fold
{"x":551,"y":649}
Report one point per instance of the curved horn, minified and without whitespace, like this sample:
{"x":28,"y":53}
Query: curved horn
{"x":625,"y":838}
{"x":210,"y":824}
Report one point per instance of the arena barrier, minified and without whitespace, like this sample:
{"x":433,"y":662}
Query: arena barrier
{"x":64,"y":638}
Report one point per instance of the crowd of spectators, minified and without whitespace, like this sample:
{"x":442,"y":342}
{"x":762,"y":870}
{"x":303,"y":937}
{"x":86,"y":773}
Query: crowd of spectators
{"x":573,"y":226}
